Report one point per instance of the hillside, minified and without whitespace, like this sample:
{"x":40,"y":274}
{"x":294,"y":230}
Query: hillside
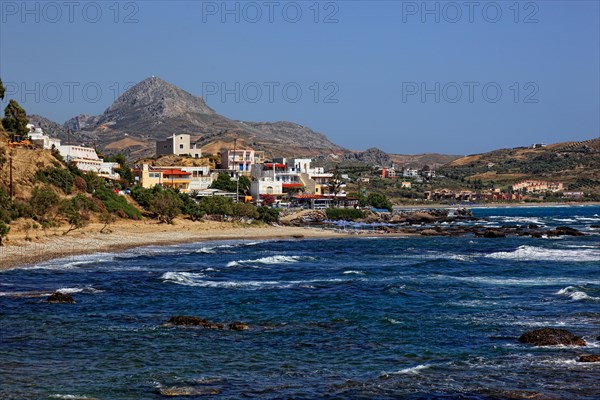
{"x":154,"y":109}
{"x":576,"y":164}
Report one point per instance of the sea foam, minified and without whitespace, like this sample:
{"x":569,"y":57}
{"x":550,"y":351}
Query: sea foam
{"x":532,"y":253}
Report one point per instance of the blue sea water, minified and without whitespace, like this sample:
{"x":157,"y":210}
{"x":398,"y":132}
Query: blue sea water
{"x":356,"y":317}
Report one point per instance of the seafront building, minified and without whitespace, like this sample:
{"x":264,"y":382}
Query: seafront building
{"x":179,"y":145}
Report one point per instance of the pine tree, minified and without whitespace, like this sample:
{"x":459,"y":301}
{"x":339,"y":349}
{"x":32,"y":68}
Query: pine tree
{"x":15,"y":119}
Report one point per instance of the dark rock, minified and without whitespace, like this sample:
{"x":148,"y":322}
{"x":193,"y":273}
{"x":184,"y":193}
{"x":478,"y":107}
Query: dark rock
{"x":589,"y":358}
{"x":238,"y":326}
{"x":430,"y":232}
{"x":494,"y":234}
{"x":533,"y":226}
{"x":564,"y":231}
{"x":595,"y":226}
{"x":536,"y":235}
{"x":58,"y":297}
{"x":186,"y":320}
{"x":551,"y":337}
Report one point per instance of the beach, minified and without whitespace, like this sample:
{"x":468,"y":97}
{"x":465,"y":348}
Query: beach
{"x":122,"y":235}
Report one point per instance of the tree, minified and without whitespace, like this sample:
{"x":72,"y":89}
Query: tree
{"x":217,"y":205}
{"x":335,"y":182}
{"x":166,"y":205}
{"x":124,"y":167}
{"x":378,"y":200}
{"x":4,"y":229}
{"x":15,"y":119}
{"x":267,"y":199}
{"x":224,"y":182}
{"x":43,"y":201}
{"x":2,"y":90}
{"x":76,"y":211}
{"x":244,"y":185}
{"x":267,"y":214}
{"x":106,"y":218}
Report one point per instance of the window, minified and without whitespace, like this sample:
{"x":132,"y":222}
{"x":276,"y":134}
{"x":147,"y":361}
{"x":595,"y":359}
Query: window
{"x":269,"y":189}
{"x":181,"y":146}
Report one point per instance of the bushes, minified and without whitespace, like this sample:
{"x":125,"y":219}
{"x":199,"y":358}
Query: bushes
{"x":43,"y":202}
{"x":116,"y":204}
{"x":267,"y":214}
{"x":166,"y":204}
{"x":347,"y":214}
{"x":378,"y":200}
{"x":59,"y":177}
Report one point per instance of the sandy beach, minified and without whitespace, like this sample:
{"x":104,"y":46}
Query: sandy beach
{"x":42,"y":246}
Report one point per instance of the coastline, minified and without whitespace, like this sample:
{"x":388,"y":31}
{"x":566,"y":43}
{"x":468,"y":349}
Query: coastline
{"x":19,"y":252}
{"x":494,"y":205}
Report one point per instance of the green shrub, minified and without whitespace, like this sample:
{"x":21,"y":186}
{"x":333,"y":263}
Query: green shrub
{"x":217,"y":205}
{"x":59,"y":177}
{"x":166,"y":205}
{"x":116,"y":204}
{"x":267,"y":214}
{"x":379,"y":200}
{"x":244,"y":210}
{"x":347,"y":214}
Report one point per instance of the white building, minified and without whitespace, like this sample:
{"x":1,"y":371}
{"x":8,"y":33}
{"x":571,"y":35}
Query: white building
{"x":241,"y":160}
{"x":179,"y":145}
{"x":86,"y":159}
{"x":200,"y":178}
{"x":39,"y":139}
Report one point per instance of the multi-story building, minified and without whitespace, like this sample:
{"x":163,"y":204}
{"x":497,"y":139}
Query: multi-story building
{"x":533,"y":186}
{"x":179,"y":145}
{"x":86,"y":159}
{"x":186,"y":179}
{"x":241,"y":160}
{"x":295,"y":175}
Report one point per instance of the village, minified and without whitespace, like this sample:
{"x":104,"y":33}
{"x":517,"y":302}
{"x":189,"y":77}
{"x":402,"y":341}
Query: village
{"x":285,"y":182}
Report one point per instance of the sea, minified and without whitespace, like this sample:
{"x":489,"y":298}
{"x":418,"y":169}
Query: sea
{"x":344,"y":318}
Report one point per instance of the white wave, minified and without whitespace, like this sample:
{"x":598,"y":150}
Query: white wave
{"x":354,"y":272}
{"x":570,"y":220}
{"x":575,"y":294}
{"x":392,"y":321}
{"x":413,"y":370}
{"x":184,"y":278}
{"x":73,"y":262}
{"x":491,"y":280}
{"x":70,"y":397}
{"x":268,"y":260}
{"x":191,"y":279}
{"x":523,"y":220}
{"x":86,"y":289}
{"x":532,"y":253}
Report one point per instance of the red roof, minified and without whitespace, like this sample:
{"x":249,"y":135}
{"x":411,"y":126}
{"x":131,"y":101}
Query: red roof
{"x":270,"y":165}
{"x":309,"y":196}
{"x":292,"y":185}
{"x":175,"y":172}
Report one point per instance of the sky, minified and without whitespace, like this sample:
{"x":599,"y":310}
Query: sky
{"x":404,"y":76}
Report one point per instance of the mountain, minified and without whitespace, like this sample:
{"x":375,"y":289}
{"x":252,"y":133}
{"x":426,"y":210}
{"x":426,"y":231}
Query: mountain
{"x":154,"y":109}
{"x":576,"y":164}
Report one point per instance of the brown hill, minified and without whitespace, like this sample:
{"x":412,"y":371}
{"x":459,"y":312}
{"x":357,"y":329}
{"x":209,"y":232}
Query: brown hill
{"x":154,"y":109}
{"x":576,"y":164}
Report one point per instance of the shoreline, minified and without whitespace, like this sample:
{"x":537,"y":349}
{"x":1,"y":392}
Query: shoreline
{"x":125,"y":235}
{"x":493,"y":205}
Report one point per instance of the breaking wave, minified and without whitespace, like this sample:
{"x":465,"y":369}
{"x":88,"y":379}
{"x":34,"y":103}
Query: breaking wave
{"x":191,"y":279}
{"x":532,"y":253}
{"x":575,"y":294}
{"x":269,"y":260}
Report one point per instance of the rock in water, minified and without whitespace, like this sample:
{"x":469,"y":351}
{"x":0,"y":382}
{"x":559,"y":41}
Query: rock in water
{"x":58,"y":297}
{"x":494,"y":234}
{"x":589,"y":358}
{"x":238,"y":326}
{"x":186,"y":320}
{"x":551,"y":337}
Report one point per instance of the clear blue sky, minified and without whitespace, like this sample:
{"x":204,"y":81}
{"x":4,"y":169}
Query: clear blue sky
{"x":378,"y":65}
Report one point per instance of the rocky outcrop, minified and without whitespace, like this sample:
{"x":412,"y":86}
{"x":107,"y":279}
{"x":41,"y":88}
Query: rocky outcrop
{"x":564,"y":231}
{"x":59,"y":297}
{"x":551,"y":337}
{"x":183,"y":320}
{"x":586,"y":358}
{"x":238,"y":326}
